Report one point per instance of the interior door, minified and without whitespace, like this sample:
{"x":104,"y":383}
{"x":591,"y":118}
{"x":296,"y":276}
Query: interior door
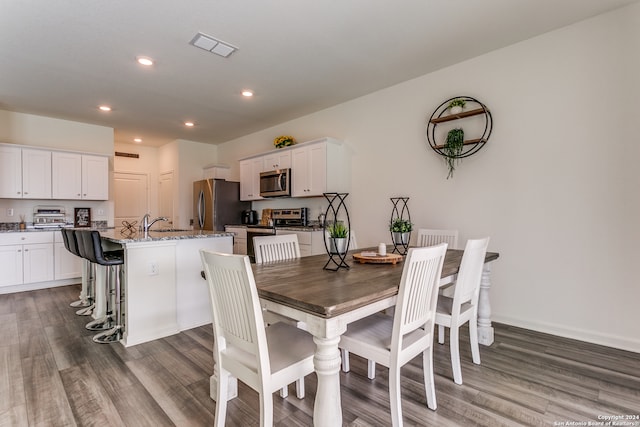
{"x":131,"y":197}
{"x":165,"y":196}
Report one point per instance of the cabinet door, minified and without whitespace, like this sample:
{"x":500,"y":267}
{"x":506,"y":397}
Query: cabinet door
{"x":38,"y":262}
{"x":66,"y":265}
{"x":10,"y":172}
{"x":95,"y":178}
{"x":317,"y":170}
{"x":277,"y":160}
{"x":66,"y":176}
{"x":11,"y":265}
{"x":250,"y":178}
{"x":36,"y":174}
{"x":299,"y":172}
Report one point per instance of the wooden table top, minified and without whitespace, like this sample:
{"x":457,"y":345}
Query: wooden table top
{"x":304,"y":284}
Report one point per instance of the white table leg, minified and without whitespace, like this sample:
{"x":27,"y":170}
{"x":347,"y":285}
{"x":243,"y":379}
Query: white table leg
{"x":485,"y":330}
{"x":232,"y":389}
{"x":327,"y":411}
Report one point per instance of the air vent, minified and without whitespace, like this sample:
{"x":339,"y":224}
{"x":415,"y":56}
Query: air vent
{"x":213,"y":45}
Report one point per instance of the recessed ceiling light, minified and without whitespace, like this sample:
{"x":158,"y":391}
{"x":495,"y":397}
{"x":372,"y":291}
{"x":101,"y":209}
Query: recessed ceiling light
{"x":189,"y":124}
{"x":144,"y":60}
{"x":247,"y":93}
{"x":104,"y":108}
{"x":138,"y":140}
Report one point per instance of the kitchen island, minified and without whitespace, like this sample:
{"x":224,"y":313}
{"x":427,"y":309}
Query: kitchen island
{"x":163,"y":291}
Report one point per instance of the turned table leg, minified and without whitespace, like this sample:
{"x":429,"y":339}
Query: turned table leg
{"x":327,"y":411}
{"x":485,"y":330}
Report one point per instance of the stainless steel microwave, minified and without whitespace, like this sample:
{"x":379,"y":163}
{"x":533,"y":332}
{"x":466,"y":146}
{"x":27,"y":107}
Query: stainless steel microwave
{"x":276,"y":183}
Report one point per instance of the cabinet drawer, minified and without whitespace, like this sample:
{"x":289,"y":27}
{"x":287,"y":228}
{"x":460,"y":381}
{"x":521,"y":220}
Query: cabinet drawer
{"x":239,"y":232}
{"x":26,"y":238}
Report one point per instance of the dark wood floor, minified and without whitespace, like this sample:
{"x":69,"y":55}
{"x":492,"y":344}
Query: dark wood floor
{"x":52,"y":374}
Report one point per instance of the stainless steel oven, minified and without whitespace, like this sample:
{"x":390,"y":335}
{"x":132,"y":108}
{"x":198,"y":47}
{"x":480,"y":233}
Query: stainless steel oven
{"x":276,"y":183}
{"x":253,"y":231}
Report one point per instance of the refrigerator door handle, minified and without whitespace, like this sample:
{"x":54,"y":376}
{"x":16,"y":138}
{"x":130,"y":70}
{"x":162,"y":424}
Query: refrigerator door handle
{"x":201,"y":209}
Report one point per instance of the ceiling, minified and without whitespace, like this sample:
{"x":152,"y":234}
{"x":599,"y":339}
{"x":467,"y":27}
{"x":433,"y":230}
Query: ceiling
{"x":63,"y":58}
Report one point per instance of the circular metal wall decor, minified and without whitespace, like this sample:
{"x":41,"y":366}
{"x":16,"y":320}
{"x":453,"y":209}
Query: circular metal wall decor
{"x":472,"y":143}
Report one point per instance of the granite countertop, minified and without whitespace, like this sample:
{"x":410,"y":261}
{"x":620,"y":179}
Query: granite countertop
{"x":122,"y":236}
{"x":289,"y":228}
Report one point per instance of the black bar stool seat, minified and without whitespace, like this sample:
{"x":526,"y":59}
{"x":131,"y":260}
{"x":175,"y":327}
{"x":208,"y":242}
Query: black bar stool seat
{"x":113,"y":260}
{"x":88,"y":291}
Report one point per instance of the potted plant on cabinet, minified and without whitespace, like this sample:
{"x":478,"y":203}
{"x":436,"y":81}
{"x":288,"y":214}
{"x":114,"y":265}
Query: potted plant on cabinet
{"x":401,"y":231}
{"x":453,"y":148}
{"x":338,"y":238}
{"x":456,"y":105}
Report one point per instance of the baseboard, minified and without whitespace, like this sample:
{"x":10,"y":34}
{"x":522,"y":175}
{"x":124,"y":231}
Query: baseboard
{"x":37,"y":286}
{"x":622,"y":343}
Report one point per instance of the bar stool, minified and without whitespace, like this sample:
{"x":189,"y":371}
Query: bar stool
{"x":111,"y":323}
{"x":87,"y":294}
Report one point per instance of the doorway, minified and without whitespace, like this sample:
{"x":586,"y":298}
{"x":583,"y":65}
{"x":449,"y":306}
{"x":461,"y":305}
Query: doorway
{"x":165,"y":196}
{"x":131,"y":197}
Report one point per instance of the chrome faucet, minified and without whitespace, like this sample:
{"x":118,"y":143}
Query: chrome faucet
{"x":146,"y":225}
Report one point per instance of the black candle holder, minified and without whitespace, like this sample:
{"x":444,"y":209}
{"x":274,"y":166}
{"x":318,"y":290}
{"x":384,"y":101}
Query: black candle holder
{"x":402,"y":246}
{"x":336,"y":257}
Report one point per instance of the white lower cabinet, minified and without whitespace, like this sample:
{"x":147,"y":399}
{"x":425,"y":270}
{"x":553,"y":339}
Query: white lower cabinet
{"x":26,"y":258}
{"x":66,"y":264}
{"x":310,"y":242}
{"x":239,"y":239}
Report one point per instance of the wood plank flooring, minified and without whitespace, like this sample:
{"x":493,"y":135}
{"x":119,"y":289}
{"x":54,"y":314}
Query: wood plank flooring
{"x":52,"y":374}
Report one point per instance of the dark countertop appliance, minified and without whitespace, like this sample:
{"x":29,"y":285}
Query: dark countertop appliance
{"x":296,"y":217}
{"x":249,"y":217}
{"x":216,"y":203}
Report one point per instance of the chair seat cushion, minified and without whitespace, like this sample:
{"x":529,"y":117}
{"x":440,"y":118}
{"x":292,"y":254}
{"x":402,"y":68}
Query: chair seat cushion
{"x":287,"y":345}
{"x":445,"y":305}
{"x":375,"y":332}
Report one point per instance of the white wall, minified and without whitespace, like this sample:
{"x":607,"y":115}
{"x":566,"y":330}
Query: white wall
{"x":186,"y":160}
{"x":146,"y":163}
{"x":28,"y":129}
{"x":56,"y":134}
{"x":556,"y":187}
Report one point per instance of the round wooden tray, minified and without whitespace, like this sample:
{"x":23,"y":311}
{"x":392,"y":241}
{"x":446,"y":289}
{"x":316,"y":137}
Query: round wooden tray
{"x":377,"y":259}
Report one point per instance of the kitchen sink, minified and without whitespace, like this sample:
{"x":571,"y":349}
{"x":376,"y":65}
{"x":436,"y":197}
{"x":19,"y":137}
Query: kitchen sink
{"x":167,"y":230}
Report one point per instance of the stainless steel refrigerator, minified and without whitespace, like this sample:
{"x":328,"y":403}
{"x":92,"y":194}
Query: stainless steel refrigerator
{"x":216,"y":203}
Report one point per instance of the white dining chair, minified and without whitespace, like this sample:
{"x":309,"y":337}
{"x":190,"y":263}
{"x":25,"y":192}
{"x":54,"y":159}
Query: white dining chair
{"x":265,"y":359}
{"x":433,"y":236}
{"x":393,"y":342}
{"x":463,"y":307}
{"x":275,"y":248}
{"x":430,"y":237}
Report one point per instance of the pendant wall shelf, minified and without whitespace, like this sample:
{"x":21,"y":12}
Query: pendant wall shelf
{"x":442,"y":115}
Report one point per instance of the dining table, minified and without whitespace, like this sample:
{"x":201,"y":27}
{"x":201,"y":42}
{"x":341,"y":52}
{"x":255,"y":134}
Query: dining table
{"x":324,"y":302}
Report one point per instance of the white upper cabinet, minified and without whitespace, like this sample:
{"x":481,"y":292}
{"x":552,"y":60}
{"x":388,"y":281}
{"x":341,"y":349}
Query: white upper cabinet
{"x":319,"y":167}
{"x":80,"y":176}
{"x":250,"y":178}
{"x":36,"y":174}
{"x":95,"y":177}
{"x":66,"y":175}
{"x":25,"y":173}
{"x":10,"y":172}
{"x":277,"y":160}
